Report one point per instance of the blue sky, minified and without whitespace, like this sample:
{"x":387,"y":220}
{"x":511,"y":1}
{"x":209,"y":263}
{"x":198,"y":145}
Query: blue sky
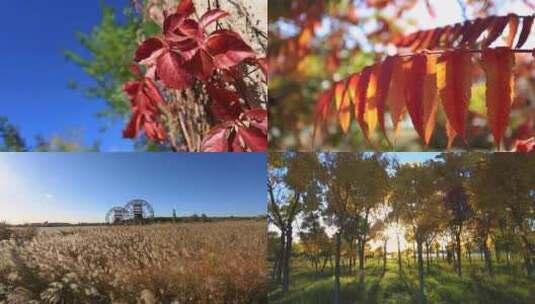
{"x":33,"y":83}
{"x":73,"y":187}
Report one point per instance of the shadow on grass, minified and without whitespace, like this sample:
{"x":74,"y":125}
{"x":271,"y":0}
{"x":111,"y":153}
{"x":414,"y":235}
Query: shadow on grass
{"x":442,"y":284}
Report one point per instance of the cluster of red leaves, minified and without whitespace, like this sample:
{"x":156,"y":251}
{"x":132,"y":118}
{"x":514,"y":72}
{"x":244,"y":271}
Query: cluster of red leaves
{"x":416,"y":85}
{"x":186,"y":53}
{"x":467,"y":34}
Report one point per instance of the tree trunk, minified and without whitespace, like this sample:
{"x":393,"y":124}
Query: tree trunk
{"x":458,"y":252}
{"x":384,"y":258}
{"x":399,"y":254}
{"x":427,"y":258}
{"x":488,"y":257}
{"x":361,"y":261}
{"x":421,"y":291}
{"x":337,"y":269}
{"x":281,"y":257}
{"x":287,"y":255}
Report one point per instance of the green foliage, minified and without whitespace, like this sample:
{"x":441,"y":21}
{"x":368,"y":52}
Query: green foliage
{"x":10,"y":137}
{"x":111,"y":45}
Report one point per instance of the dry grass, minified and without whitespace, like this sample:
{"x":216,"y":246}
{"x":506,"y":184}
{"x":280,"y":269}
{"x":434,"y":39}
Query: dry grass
{"x":221,"y":262}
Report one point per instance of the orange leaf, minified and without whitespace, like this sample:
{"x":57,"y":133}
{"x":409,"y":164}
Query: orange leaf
{"x":343,"y":105}
{"x":451,"y":134}
{"x":513,"y":28}
{"x":496,"y":29}
{"x":498,"y":66}
{"x":383,"y":85}
{"x":526,"y":29}
{"x":414,"y":92}
{"x":454,"y":82}
{"x":430,"y":98}
{"x":396,"y":94}
{"x":361,"y":95}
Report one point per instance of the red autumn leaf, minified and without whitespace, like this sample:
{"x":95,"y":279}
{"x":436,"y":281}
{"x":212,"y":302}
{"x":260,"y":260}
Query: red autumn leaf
{"x":342,"y":103}
{"x":225,"y":103}
{"x":496,"y":29}
{"x":147,"y":48}
{"x":228,"y":49}
{"x":253,"y":139}
{"x":258,"y":118}
{"x":216,"y":140}
{"x":249,"y":133}
{"x":360,"y":99}
{"x":498,"y":66}
{"x":383,"y":85}
{"x":414,"y":92}
{"x":454,"y":82}
{"x":145,"y":99}
{"x":513,"y":28}
{"x":185,"y":7}
{"x":524,"y":146}
{"x":211,"y":16}
{"x":170,"y":68}
{"x":527,"y":23}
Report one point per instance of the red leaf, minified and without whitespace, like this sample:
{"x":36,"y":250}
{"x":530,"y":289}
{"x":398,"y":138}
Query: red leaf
{"x":527,"y":22}
{"x":262,"y":63}
{"x":342,"y":103}
{"x":216,"y":140}
{"x":258,"y":118}
{"x":147,"y":48}
{"x":225,"y":103}
{"x":201,"y":65}
{"x":171,"y":71}
{"x":228,"y":49}
{"x":498,"y":66}
{"x":454,"y":82}
{"x":414,"y":92}
{"x":383,"y":85}
{"x":212,"y":16}
{"x":524,"y":146}
{"x":497,"y":27}
{"x":185,"y":7}
{"x":171,"y":24}
{"x":253,"y":138}
{"x":513,"y":28}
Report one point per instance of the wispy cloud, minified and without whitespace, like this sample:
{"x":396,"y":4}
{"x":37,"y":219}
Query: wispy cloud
{"x":49,"y":196}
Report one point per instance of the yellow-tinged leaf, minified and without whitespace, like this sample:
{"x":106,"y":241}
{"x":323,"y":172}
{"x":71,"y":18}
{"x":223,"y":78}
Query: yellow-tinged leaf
{"x":343,"y":105}
{"x":454,"y":81}
{"x":498,"y":66}
{"x":395,"y":99}
{"x":513,"y":28}
{"x":430,"y":98}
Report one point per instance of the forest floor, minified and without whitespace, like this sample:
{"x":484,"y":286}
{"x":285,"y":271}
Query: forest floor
{"x":443,"y":285}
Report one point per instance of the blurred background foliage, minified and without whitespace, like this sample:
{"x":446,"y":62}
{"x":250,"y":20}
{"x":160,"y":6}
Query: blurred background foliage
{"x":315,"y":43}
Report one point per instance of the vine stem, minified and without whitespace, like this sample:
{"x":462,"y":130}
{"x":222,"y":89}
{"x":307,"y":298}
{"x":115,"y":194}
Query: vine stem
{"x":465,"y":50}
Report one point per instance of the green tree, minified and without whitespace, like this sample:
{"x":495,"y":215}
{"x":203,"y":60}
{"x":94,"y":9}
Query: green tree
{"x":416,"y":199}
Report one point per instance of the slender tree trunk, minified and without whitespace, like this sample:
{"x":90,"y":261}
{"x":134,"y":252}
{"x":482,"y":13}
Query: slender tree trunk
{"x":458,"y":252}
{"x":488,"y":257}
{"x":337,"y":269}
{"x":384,"y":258}
{"x":361,"y":261}
{"x":427,"y":258}
{"x":281,"y":257}
{"x":399,"y":255}
{"x":286,"y":278}
{"x":421,"y":293}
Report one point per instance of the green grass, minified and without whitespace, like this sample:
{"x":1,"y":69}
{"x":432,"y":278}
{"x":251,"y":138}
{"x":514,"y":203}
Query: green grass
{"x":442,"y":284}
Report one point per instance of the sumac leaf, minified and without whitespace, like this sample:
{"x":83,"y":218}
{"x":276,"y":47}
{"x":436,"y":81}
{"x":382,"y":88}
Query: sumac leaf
{"x":527,"y":23}
{"x":498,"y":66}
{"x":454,"y":82}
{"x":414,"y":92}
{"x":513,"y":28}
{"x":147,"y":48}
{"x":343,"y":104}
{"x":395,"y":99}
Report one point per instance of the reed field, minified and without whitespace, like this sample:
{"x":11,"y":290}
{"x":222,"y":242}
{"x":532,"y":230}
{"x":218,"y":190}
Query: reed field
{"x":218,"y":262}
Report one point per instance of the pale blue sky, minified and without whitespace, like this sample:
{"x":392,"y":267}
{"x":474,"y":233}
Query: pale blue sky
{"x":37,"y":187}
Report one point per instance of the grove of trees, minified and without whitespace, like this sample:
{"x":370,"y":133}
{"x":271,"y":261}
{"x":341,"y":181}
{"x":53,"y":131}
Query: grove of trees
{"x":337,"y":211}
